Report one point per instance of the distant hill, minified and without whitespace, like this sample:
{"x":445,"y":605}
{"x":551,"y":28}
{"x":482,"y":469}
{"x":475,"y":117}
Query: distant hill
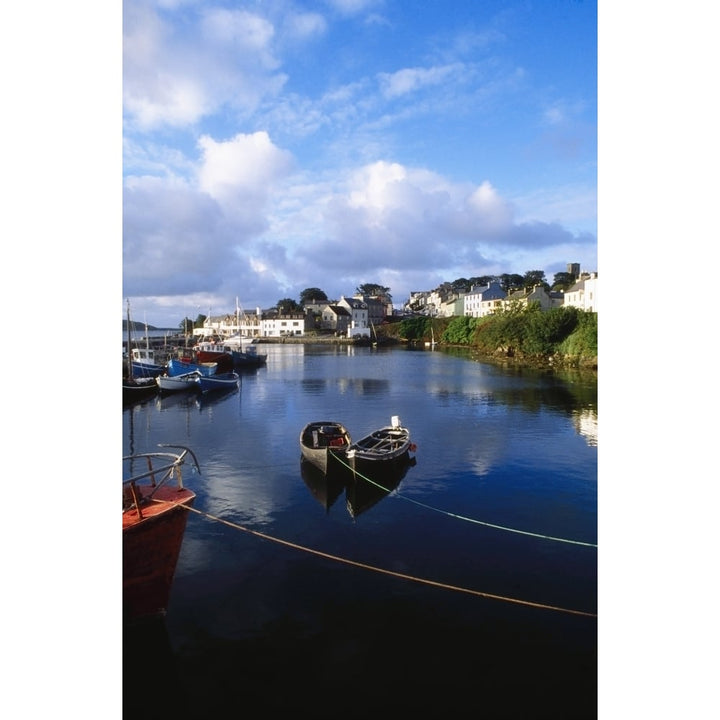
{"x":140,"y":327}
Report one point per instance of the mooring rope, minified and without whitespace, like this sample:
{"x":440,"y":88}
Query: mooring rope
{"x":384,"y":571}
{"x":463,"y":517}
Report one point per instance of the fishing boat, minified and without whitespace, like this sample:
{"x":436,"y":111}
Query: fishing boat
{"x":248,"y":357}
{"x":178,"y":383}
{"x":209,"y":351}
{"x":155,"y":510}
{"x":176,"y":366}
{"x":218,"y":381}
{"x":322,"y":440}
{"x":141,"y":361}
{"x":383,"y":448}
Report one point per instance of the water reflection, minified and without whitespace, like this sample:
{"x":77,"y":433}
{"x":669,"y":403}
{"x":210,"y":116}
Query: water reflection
{"x":326,"y":488}
{"x":361,"y":492}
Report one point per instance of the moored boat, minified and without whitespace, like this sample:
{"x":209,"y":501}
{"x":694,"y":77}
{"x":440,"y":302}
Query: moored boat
{"x":218,"y":381}
{"x":382,"y":448}
{"x":138,"y":388}
{"x":155,"y":510}
{"x":209,"y":352}
{"x":176,"y":366}
{"x":178,"y":383}
{"x":322,"y":440}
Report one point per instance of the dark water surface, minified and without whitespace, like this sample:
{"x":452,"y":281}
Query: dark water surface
{"x":507,"y":631}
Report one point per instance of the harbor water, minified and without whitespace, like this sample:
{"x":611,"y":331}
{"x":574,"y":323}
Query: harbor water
{"x":469,"y":588}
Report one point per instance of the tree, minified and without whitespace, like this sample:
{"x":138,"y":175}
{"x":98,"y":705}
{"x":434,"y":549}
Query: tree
{"x":533,"y":278}
{"x":510,"y":282}
{"x":563,"y":281}
{"x":311,"y":295}
{"x":287,"y":306}
{"x":373,"y":289}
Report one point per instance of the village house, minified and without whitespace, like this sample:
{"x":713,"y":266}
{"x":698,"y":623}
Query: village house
{"x":546,"y":300}
{"x":359,"y":321}
{"x":336,"y":318}
{"x":484,"y":300}
{"x":583,"y":294}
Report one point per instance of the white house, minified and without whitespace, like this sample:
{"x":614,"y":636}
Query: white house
{"x":484,"y":300}
{"x":583,"y":294}
{"x":359,"y":321}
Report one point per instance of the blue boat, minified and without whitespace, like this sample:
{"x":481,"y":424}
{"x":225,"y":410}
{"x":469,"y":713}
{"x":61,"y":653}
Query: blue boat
{"x":219,"y":381}
{"x":177,"y":367}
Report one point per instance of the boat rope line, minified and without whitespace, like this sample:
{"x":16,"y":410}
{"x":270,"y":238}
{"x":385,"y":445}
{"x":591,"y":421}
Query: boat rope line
{"x":467,"y":519}
{"x":385,"y":571}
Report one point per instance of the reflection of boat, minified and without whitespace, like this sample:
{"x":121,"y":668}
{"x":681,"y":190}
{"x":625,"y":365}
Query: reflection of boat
{"x":326,"y":487}
{"x":323,"y":439}
{"x":382,"y":448}
{"x":155,"y":512}
{"x":218,"y":381}
{"x":178,"y":383}
{"x":361,"y":492}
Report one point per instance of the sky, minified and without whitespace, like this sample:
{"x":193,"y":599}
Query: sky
{"x":279,"y":145}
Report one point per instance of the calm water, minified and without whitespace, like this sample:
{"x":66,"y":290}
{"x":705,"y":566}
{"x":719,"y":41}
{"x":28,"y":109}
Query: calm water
{"x":255,"y":624}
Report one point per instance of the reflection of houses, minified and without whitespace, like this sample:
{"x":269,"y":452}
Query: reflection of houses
{"x":586,"y":424}
{"x":583,"y":294}
{"x":484,"y":300}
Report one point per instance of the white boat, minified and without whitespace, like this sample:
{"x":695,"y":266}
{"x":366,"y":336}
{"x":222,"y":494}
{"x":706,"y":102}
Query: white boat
{"x":178,"y":383}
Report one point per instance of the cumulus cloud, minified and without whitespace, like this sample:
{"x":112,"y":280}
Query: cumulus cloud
{"x":172,"y":77}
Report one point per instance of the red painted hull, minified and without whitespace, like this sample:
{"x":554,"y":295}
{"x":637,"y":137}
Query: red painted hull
{"x":224,"y":361}
{"x":151,"y":547}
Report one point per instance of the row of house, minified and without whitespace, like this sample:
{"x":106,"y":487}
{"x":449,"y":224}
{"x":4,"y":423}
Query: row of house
{"x":348,"y":317}
{"x":484,"y":300}
{"x":355,"y":317}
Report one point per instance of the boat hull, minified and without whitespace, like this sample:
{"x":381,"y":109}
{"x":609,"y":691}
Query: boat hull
{"x":387,"y":448}
{"x":178,"y":383}
{"x":151,"y":547}
{"x":221,"y":381}
{"x":177,"y":367}
{"x":323,"y":441}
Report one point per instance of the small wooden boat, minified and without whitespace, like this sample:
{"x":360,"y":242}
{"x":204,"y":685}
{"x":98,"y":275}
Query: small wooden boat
{"x":176,"y":367}
{"x":178,"y":383}
{"x":138,"y":388}
{"x":385,"y":447}
{"x":218,"y":381}
{"x":155,"y":510}
{"x":322,"y":440}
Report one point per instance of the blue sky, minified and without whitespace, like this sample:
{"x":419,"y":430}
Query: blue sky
{"x":277,"y":145}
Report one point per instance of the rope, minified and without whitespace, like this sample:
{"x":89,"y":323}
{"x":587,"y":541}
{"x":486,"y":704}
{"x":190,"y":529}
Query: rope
{"x":392,"y":573}
{"x":467,"y":519}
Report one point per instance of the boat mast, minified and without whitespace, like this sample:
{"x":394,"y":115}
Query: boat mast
{"x":129,"y":351}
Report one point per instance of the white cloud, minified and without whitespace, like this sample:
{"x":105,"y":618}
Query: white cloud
{"x":409,"y":80}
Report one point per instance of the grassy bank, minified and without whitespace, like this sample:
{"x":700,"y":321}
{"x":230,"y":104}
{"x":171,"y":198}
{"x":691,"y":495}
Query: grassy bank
{"x":561,"y":337}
